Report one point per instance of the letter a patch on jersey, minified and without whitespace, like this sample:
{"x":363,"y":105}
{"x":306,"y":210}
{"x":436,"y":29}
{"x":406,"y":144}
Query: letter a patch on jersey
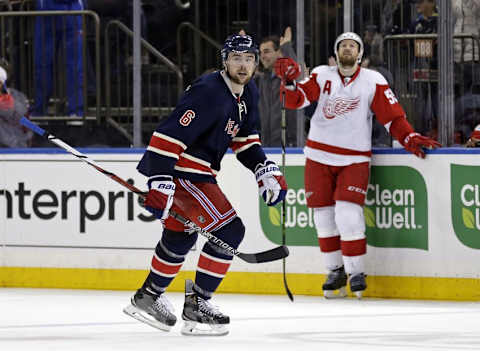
{"x":327,"y":87}
{"x":187,"y":117}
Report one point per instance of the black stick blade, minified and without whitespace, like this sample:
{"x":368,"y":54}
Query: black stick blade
{"x":287,"y":290}
{"x":266,"y":256}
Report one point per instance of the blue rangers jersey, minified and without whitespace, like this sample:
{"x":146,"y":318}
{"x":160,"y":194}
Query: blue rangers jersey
{"x":209,"y":119}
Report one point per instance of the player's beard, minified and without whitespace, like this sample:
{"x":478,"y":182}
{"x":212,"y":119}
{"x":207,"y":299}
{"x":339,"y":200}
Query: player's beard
{"x":236,"y":78}
{"x":347,"y":61}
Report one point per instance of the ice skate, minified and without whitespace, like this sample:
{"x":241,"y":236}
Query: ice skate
{"x":358,"y":284}
{"x":200,"y":316}
{"x":336,"y":280}
{"x":152,"y":309}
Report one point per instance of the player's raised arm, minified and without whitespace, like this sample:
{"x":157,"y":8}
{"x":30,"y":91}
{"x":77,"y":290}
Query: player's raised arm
{"x":297,"y":95}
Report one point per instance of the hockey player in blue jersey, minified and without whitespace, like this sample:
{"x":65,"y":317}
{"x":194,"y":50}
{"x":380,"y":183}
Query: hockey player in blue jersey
{"x":219,"y":110}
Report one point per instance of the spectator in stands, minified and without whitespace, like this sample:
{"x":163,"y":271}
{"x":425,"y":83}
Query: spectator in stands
{"x":426,"y":67}
{"x":427,"y":18}
{"x":270,"y":107}
{"x":58,"y":37}
{"x":395,"y":17}
{"x":373,"y":42}
{"x":466,"y":51}
{"x":13,"y":106}
{"x":467,"y":116}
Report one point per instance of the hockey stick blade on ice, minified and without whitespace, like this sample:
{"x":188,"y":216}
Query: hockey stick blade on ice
{"x":274,"y":254}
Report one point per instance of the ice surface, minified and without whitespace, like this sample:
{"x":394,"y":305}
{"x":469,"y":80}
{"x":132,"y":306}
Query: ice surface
{"x":90,"y":320}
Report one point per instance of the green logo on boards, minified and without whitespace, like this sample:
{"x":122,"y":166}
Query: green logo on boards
{"x":465,"y":195}
{"x":299,"y":226}
{"x":396,"y":212}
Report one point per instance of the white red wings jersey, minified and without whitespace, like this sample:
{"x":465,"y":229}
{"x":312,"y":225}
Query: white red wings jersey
{"x":341,"y":126}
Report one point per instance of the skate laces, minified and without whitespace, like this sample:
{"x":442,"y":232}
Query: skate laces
{"x":163,"y":305}
{"x":208,"y":308}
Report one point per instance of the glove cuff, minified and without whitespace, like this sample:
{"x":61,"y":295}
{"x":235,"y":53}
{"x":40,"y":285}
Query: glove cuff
{"x":267,"y":167}
{"x":159,"y":178}
{"x":409,"y":137}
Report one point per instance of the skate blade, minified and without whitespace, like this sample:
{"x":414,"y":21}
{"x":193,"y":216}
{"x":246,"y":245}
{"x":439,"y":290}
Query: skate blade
{"x":143,"y":317}
{"x":359,"y":294}
{"x":200,"y":329}
{"x":330,"y":294}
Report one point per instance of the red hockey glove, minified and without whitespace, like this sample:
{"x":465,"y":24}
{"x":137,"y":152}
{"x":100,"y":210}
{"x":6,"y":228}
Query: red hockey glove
{"x":271,"y":183}
{"x":474,"y":140}
{"x":6,"y":102}
{"x":287,"y":69}
{"x":415,"y":143}
{"x":160,"y":196}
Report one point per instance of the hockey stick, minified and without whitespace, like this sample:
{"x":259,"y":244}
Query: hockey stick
{"x":274,"y":254}
{"x":284,"y":229}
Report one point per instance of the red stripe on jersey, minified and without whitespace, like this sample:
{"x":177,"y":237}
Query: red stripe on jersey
{"x":165,"y":268}
{"x":385,"y":105}
{"x":400,"y":128}
{"x":336,"y":150}
{"x":354,"y":247}
{"x":329,"y":244}
{"x":210,"y":265}
{"x":165,"y":145}
{"x":311,"y":88}
{"x":187,"y":163}
{"x":355,"y":75}
{"x":235,"y":145}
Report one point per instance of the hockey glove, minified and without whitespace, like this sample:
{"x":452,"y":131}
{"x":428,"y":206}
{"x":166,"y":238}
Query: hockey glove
{"x":160,"y":195}
{"x":271,"y":183}
{"x":474,"y":140}
{"x":287,"y":69}
{"x":415,"y":143}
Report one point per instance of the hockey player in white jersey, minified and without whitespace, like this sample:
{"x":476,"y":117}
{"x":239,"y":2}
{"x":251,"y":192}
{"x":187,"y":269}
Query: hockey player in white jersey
{"x":338,"y":152}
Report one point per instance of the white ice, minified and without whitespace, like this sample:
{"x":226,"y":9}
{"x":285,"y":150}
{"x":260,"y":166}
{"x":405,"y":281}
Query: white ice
{"x":87,"y":320}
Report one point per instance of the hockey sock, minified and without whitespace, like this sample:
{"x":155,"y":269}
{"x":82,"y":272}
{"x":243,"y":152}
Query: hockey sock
{"x":214,"y":262}
{"x":212,"y":267}
{"x":168,"y":258}
{"x":330,"y":247}
{"x":354,"y":252}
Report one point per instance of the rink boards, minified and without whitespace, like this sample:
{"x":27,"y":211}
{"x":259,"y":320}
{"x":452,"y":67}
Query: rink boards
{"x":63,"y":224}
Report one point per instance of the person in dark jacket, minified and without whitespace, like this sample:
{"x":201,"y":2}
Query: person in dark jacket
{"x":270,"y":107}
{"x":52,"y":34}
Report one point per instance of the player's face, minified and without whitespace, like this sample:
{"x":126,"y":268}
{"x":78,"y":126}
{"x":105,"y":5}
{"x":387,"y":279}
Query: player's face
{"x":268,"y":54}
{"x":348,"y":52}
{"x":240,"y":67}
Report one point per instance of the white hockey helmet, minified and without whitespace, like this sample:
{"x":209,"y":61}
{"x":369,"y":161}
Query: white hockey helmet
{"x":353,"y":36}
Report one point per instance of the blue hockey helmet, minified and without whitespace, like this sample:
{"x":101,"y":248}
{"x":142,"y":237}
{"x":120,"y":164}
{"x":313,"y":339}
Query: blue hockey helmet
{"x":239,"y":43}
